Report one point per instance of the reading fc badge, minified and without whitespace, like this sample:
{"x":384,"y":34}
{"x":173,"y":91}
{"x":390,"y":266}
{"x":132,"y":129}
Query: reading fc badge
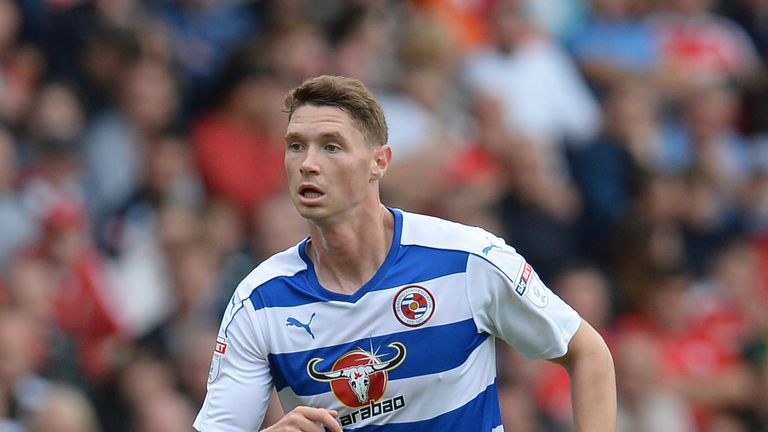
{"x":413,"y":305}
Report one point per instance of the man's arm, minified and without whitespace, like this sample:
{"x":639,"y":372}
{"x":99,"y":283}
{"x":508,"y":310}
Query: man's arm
{"x":593,"y":381}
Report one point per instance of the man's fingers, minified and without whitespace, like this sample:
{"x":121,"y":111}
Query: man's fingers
{"x":308,"y":419}
{"x":323,"y":416}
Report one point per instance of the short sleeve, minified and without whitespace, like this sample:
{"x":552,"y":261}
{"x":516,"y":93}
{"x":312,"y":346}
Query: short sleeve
{"x":508,"y":300}
{"x":239,"y":381}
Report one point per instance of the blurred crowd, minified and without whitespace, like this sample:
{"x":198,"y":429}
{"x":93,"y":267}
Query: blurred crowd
{"x":620,"y":145}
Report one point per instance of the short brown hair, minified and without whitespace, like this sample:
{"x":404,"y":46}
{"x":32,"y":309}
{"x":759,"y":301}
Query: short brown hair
{"x":349,"y":95}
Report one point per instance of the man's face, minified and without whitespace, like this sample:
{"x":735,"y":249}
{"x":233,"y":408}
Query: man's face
{"x":330,"y":166}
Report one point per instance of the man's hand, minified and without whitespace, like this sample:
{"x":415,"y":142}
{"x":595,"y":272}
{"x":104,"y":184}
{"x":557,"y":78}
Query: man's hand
{"x":307,"y":419}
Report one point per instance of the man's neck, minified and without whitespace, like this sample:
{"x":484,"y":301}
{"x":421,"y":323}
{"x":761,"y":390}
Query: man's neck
{"x":347,"y":256}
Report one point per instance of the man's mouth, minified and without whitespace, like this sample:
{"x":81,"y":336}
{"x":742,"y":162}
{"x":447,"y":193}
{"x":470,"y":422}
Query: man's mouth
{"x":310,"y":192}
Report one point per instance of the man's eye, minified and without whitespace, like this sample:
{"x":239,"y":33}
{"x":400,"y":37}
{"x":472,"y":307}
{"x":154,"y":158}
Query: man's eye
{"x":295,"y":146}
{"x":332,"y":148}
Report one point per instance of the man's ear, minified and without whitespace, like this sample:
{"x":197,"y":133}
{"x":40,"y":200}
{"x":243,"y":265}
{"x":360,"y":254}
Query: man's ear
{"x":382,"y":157}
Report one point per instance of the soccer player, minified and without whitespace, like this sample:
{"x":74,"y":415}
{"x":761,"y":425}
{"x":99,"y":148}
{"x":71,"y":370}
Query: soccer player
{"x":382,"y":319}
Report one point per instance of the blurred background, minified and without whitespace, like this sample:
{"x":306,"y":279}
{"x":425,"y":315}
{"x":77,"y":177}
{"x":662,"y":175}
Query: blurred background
{"x":620,"y":145}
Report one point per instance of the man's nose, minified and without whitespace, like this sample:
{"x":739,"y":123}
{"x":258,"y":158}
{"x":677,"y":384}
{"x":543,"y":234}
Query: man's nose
{"x":309,"y":163}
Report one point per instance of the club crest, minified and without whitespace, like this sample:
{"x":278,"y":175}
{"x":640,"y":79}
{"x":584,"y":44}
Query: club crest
{"x":414,"y":305}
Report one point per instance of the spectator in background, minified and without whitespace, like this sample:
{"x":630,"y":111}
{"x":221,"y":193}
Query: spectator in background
{"x":18,"y":228}
{"x":202,"y":36}
{"x":467,"y":21}
{"x":238,"y":145}
{"x":193,"y":272}
{"x":83,"y":301}
{"x":541,"y":93}
{"x":21,"y":66}
{"x":428,"y":125}
{"x":53,"y":178}
{"x":31,"y":291}
{"x":91,"y":43}
{"x":718,"y":163}
{"x":731,"y":298}
{"x":614,"y":44}
{"x":707,"y":138}
{"x":115,"y":146}
{"x":139,"y":269}
{"x":362,"y":38}
{"x":651,"y":233}
{"x":611,"y":168}
{"x":147,"y":388}
{"x":64,"y":409}
{"x":691,"y":38}
{"x":645,"y":404}
{"x":170,"y":176}
{"x":649,"y":339}
{"x":694,"y":363}
{"x":532,"y":196}
{"x":296,"y":50}
{"x":56,"y":114}
{"x":539,"y":210}
{"x":23,"y":391}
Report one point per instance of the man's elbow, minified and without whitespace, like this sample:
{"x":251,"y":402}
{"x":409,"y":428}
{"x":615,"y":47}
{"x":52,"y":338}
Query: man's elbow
{"x":586,"y":345}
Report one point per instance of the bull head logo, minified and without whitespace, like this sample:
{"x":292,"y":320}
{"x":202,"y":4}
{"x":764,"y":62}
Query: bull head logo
{"x":358,"y":377}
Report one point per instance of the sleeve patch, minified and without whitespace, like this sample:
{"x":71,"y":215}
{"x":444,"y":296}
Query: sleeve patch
{"x":522,"y":284}
{"x":537,"y":294}
{"x":218,"y":353}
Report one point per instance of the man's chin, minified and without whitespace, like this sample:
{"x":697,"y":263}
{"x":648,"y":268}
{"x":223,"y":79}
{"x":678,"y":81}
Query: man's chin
{"x":312,"y":213}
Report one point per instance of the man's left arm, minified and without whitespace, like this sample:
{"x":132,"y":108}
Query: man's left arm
{"x":593,"y":381}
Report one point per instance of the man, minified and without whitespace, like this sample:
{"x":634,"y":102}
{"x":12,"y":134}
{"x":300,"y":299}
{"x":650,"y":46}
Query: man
{"x":384,"y":319}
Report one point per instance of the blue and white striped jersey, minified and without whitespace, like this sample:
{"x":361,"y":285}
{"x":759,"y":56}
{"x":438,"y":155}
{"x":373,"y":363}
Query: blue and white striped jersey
{"x":411,"y":350}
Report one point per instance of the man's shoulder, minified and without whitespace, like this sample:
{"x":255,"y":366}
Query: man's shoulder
{"x":283,"y":264}
{"x":438,"y":233}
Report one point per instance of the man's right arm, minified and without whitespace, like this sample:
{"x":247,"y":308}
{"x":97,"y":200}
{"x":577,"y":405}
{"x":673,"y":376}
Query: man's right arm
{"x":239,"y":381}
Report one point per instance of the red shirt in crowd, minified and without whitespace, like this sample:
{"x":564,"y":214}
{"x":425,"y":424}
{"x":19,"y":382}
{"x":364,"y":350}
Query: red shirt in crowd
{"x":238,"y":163}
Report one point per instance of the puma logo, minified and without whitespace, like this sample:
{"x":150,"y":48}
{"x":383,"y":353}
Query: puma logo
{"x":293,"y":322}
{"x":490,"y":247}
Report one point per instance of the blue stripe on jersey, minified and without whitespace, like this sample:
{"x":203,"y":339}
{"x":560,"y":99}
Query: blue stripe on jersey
{"x":481,"y":414}
{"x":413,"y":264}
{"x":284,"y":291}
{"x":419,"y":264}
{"x":427,"y":353}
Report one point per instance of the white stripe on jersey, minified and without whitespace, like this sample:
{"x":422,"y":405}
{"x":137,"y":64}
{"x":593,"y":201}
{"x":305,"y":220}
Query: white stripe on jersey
{"x":372,"y":314}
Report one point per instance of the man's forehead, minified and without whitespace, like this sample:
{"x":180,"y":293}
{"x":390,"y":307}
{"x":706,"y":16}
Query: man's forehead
{"x":319,"y":119}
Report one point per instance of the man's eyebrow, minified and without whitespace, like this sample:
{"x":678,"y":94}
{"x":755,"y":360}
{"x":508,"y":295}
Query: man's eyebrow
{"x":334,"y":135}
{"x":292,"y":136}
{"x":326,"y":135}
